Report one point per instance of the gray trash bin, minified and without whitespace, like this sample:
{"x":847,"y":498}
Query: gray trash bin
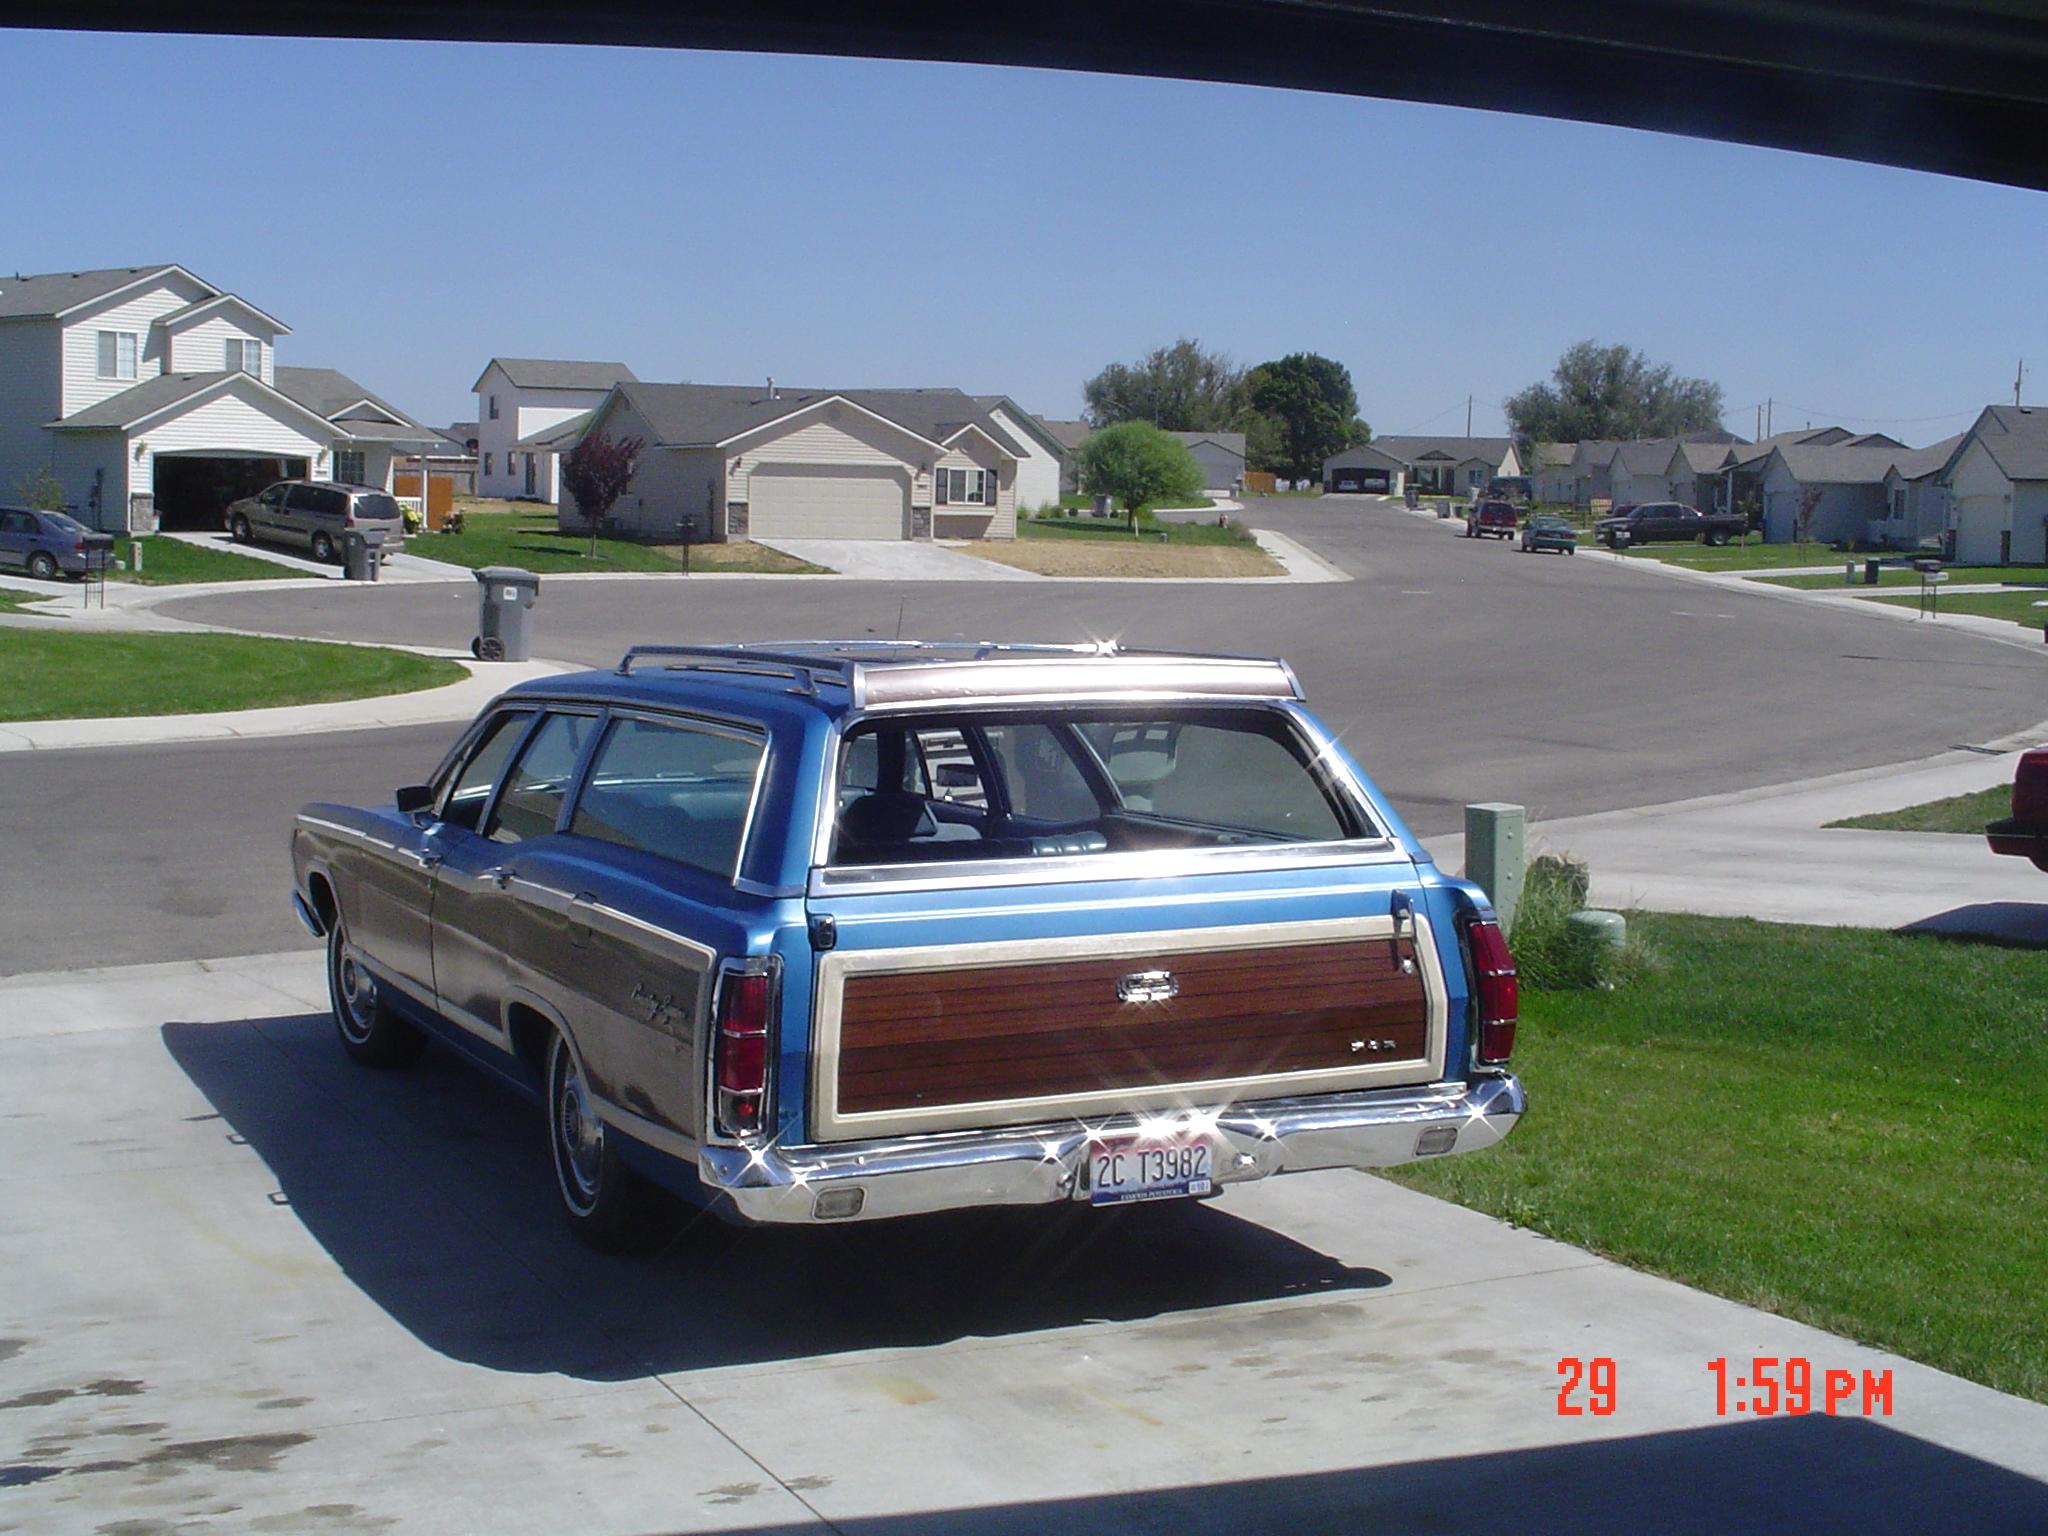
{"x":378,"y":550}
{"x":505,"y":601}
{"x":357,"y":561}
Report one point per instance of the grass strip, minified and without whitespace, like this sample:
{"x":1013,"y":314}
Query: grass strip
{"x":1958,"y":813}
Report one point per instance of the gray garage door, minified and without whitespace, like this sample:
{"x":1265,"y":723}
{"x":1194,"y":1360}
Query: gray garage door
{"x":840,"y":502}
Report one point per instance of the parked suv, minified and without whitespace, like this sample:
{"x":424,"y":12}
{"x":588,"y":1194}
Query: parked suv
{"x":316,"y":513}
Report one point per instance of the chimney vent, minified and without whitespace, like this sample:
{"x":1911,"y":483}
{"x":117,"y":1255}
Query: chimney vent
{"x":771,"y":387}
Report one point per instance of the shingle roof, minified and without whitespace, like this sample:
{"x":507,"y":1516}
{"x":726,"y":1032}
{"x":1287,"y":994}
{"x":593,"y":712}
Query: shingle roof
{"x":1232,"y":442}
{"x":326,"y":392}
{"x":699,"y":415}
{"x":1705,"y":458}
{"x":44,"y":294}
{"x":562,"y":434}
{"x":1837,"y":463}
{"x":1071,"y":433}
{"x":2016,"y":437}
{"x":1365,"y":455}
{"x":145,"y":399}
{"x":989,"y":403}
{"x":1652,"y":457}
{"x":558,"y":373}
{"x":1916,"y":463}
{"x":1554,"y":455}
{"x":1458,"y":449}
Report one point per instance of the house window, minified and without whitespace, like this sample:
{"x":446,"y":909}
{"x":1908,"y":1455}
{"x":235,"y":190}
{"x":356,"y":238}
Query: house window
{"x":348,"y":465}
{"x":487,"y":463}
{"x":245,"y":356}
{"x":117,"y":354}
{"x":493,"y":401}
{"x":1898,"y":505}
{"x":964,"y":487}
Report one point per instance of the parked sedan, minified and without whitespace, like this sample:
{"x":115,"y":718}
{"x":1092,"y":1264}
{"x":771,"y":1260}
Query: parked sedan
{"x":1547,"y":532}
{"x":50,"y":544}
{"x":2024,"y":834}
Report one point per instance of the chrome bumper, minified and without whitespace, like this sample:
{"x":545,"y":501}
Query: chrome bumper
{"x":1043,"y":1164}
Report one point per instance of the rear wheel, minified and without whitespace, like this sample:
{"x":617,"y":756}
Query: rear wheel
{"x":370,"y":1031}
{"x":1717,"y":536}
{"x":602,"y":1197}
{"x":323,"y":547}
{"x":42,"y":566}
{"x":240,"y":529}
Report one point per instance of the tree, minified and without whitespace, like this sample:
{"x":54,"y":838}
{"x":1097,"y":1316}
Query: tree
{"x":1599,"y":391}
{"x":596,"y":472}
{"x":42,"y":491}
{"x":1802,"y":516}
{"x":1311,"y":401}
{"x":1181,"y":388}
{"x":1136,"y":463}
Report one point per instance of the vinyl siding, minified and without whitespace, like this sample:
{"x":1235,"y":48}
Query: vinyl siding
{"x":224,"y":422}
{"x":28,"y":397}
{"x":1843,"y":512}
{"x":833,"y":434}
{"x":138,"y":313}
{"x":669,"y":485}
{"x":1038,"y":473}
{"x":76,"y":458}
{"x":521,"y":413}
{"x":202,"y":348}
{"x":997,"y":522}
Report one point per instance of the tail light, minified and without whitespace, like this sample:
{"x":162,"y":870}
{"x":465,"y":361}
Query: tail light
{"x":2030,"y":789}
{"x":1496,"y":996}
{"x":740,"y":1052}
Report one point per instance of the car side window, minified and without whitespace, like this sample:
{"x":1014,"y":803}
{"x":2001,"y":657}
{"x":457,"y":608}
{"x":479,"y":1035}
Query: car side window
{"x":677,"y":791}
{"x":478,"y":776}
{"x":539,"y":782}
{"x":274,"y":497}
{"x":1040,"y":776}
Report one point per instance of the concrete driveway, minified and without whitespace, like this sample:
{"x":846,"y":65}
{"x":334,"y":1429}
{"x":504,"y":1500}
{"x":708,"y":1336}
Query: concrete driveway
{"x":894,"y":560}
{"x":252,"y":1287}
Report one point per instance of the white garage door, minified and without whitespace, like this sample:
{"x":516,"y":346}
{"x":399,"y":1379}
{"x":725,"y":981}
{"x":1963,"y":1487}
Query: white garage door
{"x":1979,"y":522}
{"x":841,"y":502}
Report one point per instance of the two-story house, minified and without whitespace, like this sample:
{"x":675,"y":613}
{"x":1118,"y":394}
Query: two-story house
{"x":147,"y":393}
{"x":522,"y":398}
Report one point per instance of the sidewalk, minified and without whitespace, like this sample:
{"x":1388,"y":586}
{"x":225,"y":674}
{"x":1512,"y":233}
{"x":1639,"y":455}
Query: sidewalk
{"x":1768,"y":854}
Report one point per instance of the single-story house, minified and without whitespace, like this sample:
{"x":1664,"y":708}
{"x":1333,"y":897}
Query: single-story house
{"x":1652,"y":470}
{"x":1364,"y":468}
{"x":1846,"y":479}
{"x":522,"y":397}
{"x":1070,"y":436}
{"x":1916,"y":498}
{"x":1549,"y":466}
{"x":1045,"y":453}
{"x":1997,"y":480}
{"x":148,"y":395}
{"x":1221,"y":455}
{"x":742,"y":461}
{"x":1452,"y":465}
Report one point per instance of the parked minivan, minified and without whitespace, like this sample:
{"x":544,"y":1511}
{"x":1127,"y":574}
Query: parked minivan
{"x":315,"y":514}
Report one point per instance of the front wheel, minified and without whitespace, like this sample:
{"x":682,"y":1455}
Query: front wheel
{"x":42,"y":566}
{"x":239,"y":529}
{"x":370,"y":1031}
{"x":601,"y":1196}
{"x":323,"y":547}
{"x":1717,"y":537}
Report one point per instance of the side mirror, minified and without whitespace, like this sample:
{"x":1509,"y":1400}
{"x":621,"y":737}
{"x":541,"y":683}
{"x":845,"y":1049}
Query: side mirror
{"x":414,"y":798}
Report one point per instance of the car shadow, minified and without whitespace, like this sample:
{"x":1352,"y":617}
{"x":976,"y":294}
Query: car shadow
{"x":2008,"y":924}
{"x":432,"y":1191}
{"x":1814,"y":1475}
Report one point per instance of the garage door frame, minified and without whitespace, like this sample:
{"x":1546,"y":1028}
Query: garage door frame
{"x":830,"y":515}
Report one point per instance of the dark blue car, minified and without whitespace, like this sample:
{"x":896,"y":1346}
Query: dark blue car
{"x":49,"y":544}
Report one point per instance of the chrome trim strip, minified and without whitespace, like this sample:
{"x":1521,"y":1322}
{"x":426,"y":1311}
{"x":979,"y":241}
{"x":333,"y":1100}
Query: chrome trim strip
{"x":308,"y":916}
{"x":332,"y":826}
{"x":1152,"y":864}
{"x":829,"y":1123}
{"x":1042,"y":1164}
{"x":640,"y":1128}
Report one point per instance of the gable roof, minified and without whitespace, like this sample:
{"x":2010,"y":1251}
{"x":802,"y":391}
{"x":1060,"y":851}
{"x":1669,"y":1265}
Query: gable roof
{"x":1035,"y":426}
{"x":1364,"y":455}
{"x":562,"y":434}
{"x":329,"y":393}
{"x":555,"y":373}
{"x":1410,"y":450}
{"x":167,"y":391}
{"x":49,"y":295}
{"x":1706,"y":458}
{"x":199,"y":307}
{"x":2016,"y":437}
{"x":1918,"y":463}
{"x":1070,"y":433}
{"x":707,"y":415}
{"x":1553,"y":455}
{"x":1836,"y":463}
{"x":1229,"y":442}
{"x":1653,"y":456}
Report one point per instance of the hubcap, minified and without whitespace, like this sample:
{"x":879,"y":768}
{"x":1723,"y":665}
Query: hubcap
{"x":579,"y":1134}
{"x":358,"y":992}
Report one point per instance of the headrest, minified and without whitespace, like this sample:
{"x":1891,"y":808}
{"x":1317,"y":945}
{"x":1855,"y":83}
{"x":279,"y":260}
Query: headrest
{"x":887,"y":816}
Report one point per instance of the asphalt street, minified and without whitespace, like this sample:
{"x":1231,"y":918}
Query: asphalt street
{"x":1456,"y":670}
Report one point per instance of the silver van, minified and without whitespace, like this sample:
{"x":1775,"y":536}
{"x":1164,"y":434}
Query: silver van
{"x":315,"y":514}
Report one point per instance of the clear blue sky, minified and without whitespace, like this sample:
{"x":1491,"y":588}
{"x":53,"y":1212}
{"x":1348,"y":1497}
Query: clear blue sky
{"x":411,"y":209}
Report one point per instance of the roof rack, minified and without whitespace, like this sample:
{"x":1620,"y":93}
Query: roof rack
{"x":899,"y":672}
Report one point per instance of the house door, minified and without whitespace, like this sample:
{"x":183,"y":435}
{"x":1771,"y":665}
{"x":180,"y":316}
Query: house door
{"x":529,"y":474}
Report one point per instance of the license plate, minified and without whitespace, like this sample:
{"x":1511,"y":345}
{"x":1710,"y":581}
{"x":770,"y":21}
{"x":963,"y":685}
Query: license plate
{"x":1123,"y":1171}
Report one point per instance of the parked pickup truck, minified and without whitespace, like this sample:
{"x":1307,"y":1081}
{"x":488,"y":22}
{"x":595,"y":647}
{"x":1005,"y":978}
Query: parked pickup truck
{"x":836,"y":930}
{"x":2024,"y":834}
{"x":1667,"y":522}
{"x":1491,"y":519}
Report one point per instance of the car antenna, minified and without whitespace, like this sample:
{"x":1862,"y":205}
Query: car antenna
{"x":901,"y":599}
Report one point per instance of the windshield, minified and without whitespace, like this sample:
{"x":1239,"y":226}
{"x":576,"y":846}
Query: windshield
{"x":1007,"y":786}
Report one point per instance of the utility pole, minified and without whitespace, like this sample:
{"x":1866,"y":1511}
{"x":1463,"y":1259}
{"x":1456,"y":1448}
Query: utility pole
{"x":1468,"y":409}
{"x":1768,"y":404}
{"x":2018,"y":374}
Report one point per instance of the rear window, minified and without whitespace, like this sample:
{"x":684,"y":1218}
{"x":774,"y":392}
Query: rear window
{"x":57,"y":522}
{"x":1079,"y":781}
{"x":376,"y":506}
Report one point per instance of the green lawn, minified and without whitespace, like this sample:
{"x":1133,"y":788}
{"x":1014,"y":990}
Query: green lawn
{"x":1898,"y":576}
{"x":12,"y":601}
{"x":527,"y":536}
{"x":1958,"y":813}
{"x":175,"y":563}
{"x":1753,"y":556}
{"x":1149,"y":529}
{"x":46,"y":676}
{"x":2024,"y":606}
{"x":1840,"y":1125}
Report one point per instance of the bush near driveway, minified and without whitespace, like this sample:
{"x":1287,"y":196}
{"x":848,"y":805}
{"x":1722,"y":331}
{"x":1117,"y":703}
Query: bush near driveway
{"x":525,"y":534}
{"x":46,"y":676}
{"x":1840,"y":1125}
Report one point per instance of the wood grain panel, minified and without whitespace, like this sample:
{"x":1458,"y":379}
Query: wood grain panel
{"x":925,"y":1038}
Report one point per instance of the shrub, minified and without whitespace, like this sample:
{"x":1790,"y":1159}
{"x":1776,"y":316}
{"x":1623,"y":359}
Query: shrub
{"x":412,"y":520}
{"x":1550,"y":954}
{"x":453,"y":524}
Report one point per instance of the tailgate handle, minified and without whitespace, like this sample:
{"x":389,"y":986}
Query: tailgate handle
{"x":579,"y":921}
{"x":1403,"y":913}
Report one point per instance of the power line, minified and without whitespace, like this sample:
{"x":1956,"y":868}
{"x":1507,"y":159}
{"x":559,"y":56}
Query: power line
{"x":1880,"y":421}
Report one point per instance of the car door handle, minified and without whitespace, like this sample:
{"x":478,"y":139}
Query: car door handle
{"x":499,"y":875}
{"x":429,"y":859}
{"x":579,"y":918}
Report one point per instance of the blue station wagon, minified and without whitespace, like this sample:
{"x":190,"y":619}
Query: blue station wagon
{"x":827,"y":931}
